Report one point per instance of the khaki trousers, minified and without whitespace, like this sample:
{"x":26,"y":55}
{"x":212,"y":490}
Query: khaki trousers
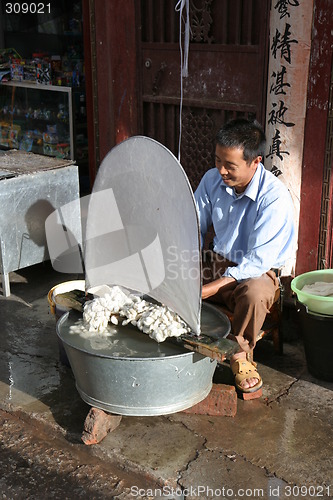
{"x":248,"y":300}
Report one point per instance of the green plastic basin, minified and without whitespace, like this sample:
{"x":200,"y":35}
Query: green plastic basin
{"x":315,"y":303}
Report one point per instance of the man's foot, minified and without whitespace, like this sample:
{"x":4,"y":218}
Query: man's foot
{"x":247,"y":379}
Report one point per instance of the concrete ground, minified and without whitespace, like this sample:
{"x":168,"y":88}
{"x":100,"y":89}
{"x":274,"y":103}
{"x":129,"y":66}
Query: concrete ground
{"x":278,"y":446}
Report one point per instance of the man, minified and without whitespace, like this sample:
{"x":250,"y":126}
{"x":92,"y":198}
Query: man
{"x":252,"y":216}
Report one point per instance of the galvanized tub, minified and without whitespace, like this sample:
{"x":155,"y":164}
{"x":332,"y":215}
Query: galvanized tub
{"x":131,"y":374}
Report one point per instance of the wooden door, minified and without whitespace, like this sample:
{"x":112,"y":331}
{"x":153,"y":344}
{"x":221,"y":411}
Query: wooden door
{"x":227,"y":73}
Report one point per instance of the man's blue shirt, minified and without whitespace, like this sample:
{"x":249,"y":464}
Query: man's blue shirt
{"x":255,"y":229}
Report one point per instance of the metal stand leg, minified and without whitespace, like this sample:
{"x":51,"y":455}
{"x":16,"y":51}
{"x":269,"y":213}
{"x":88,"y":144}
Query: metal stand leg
{"x":5,"y":284}
{"x":4,"y":275}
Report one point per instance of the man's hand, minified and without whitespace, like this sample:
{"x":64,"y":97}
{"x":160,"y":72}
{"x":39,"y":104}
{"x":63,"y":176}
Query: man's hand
{"x":213,"y":287}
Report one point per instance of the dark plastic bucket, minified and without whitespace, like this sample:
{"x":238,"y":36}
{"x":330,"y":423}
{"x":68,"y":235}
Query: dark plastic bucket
{"x":317,"y":334}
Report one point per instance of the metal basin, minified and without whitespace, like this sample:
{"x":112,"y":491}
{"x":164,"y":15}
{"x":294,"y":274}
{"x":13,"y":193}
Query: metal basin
{"x":131,"y":374}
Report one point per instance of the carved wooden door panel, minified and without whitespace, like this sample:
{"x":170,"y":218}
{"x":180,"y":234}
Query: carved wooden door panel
{"x":227,"y":73}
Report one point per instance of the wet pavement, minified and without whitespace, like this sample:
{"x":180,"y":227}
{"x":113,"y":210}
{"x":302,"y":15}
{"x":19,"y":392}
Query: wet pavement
{"x":36,"y":464}
{"x":278,"y":446}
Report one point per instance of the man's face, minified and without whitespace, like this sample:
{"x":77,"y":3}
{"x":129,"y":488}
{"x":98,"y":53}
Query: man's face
{"x":234,"y":170}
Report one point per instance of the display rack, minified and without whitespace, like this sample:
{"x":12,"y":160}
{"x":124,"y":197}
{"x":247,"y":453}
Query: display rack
{"x":37,"y":118}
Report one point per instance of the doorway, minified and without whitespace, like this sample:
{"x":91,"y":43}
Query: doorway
{"x":227,"y":73}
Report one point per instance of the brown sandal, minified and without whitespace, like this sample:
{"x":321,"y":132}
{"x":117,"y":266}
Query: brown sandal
{"x":243,"y":369}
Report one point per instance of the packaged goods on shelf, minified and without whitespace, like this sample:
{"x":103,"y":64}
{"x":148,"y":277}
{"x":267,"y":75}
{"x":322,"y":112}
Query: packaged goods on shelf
{"x":21,"y":69}
{"x":27,"y":141}
{"x":16,"y":70}
{"x":43,"y":72}
{"x":9,"y":135}
{"x":6,"y":55}
{"x":3,"y":132}
{"x":63,"y":150}
{"x":49,"y":149}
{"x":50,"y":138}
{"x":29,"y":71}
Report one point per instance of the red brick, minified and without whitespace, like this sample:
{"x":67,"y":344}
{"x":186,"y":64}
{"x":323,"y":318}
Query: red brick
{"x":221,"y":401}
{"x":97,"y":425}
{"x":251,"y":395}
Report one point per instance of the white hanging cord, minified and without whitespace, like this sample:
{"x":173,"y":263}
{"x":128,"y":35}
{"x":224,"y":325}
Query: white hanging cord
{"x":183,"y":56}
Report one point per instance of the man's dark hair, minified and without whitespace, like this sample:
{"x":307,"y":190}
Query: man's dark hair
{"x":243,"y":134}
